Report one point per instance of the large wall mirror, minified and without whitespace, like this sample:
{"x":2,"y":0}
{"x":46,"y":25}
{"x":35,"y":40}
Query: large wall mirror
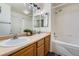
{"x":11,"y":21}
{"x":5,"y":22}
{"x":14,"y":19}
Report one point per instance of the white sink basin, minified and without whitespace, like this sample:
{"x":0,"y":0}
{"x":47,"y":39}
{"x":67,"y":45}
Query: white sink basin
{"x":14,"y":42}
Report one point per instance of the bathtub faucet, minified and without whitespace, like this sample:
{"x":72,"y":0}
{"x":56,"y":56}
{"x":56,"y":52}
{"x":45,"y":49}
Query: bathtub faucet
{"x":55,"y":34}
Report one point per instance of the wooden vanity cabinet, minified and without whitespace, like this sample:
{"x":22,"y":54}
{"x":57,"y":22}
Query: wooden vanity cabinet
{"x":39,"y":48}
{"x":27,"y":51}
{"x":47,"y":44}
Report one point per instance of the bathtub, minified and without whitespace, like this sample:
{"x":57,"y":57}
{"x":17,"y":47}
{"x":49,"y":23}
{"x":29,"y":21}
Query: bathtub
{"x":66,"y":46}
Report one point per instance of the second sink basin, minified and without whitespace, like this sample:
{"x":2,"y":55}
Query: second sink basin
{"x":14,"y":42}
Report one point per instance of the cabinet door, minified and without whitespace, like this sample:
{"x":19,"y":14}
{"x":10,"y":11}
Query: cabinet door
{"x":40,"y":51}
{"x":40,"y":42}
{"x":47,"y":44}
{"x":28,"y":51}
{"x":40,"y":47}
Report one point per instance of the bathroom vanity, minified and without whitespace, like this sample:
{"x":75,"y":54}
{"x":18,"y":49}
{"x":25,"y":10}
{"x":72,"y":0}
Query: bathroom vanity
{"x":39,"y":48}
{"x":39,"y":45}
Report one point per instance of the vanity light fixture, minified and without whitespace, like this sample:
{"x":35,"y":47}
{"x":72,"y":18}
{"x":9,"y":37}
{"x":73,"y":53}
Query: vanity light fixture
{"x":46,"y":13}
{"x":33,"y":5}
{"x":38,"y":7}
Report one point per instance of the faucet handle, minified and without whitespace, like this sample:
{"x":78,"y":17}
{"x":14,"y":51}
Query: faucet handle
{"x":15,"y":36}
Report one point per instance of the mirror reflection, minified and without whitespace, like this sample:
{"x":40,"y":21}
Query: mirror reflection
{"x":16,"y":17}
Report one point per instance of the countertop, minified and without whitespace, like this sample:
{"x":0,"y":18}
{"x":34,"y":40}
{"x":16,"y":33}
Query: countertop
{"x":5,"y":51}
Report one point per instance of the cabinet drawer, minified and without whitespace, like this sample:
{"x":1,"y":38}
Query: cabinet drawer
{"x":41,"y":42}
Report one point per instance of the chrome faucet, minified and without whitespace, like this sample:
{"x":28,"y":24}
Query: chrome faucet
{"x":15,"y":36}
{"x":39,"y":32}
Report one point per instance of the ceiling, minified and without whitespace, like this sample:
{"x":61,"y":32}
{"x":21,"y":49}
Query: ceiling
{"x":55,"y":4}
{"x":20,"y":7}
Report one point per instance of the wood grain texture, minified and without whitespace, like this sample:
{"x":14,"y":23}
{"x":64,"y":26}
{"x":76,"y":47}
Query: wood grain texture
{"x":40,"y":42}
{"x":40,"y":47}
{"x":27,"y":51}
{"x":47,"y":44}
{"x":40,"y":51}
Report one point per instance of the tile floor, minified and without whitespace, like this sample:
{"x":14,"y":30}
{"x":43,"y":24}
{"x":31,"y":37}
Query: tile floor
{"x":52,"y":54}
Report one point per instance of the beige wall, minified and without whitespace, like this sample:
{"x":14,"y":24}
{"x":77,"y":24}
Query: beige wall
{"x":67,"y":21}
